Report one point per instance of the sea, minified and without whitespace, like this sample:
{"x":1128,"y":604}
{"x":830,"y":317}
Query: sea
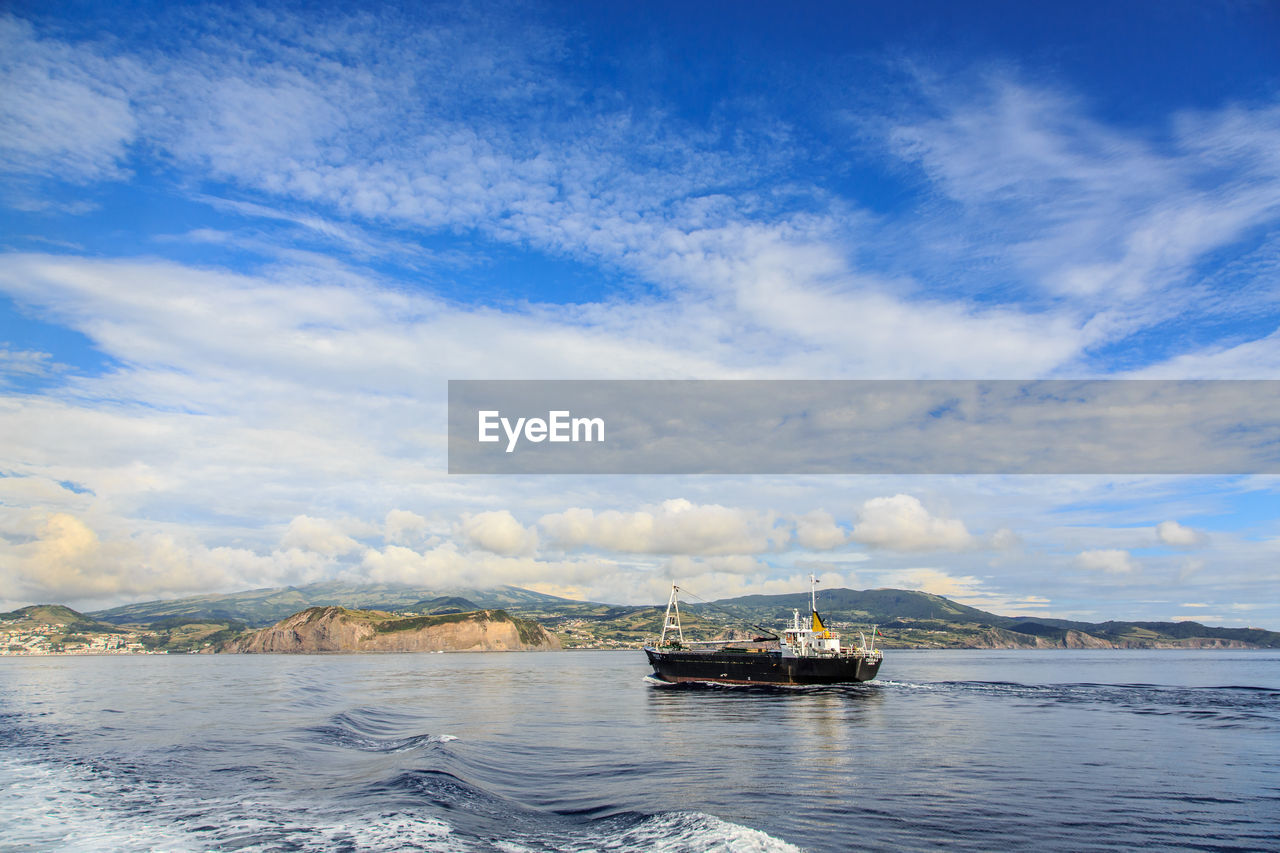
{"x":577,"y":751}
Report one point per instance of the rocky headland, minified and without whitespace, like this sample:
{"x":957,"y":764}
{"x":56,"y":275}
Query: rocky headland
{"x":337,"y":629}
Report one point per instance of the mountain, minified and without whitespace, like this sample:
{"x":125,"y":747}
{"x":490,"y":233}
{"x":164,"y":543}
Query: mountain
{"x":909,"y":618}
{"x":905,"y":618}
{"x":261,"y":607}
{"x":55,"y":614}
{"x":337,"y":629}
{"x":869,"y":605}
{"x":442,"y":605}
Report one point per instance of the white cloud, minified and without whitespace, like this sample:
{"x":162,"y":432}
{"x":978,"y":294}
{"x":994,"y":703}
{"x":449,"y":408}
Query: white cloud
{"x":402,"y":527}
{"x":901,"y":523}
{"x":1090,"y":209}
{"x":62,"y":558}
{"x":445,"y":567}
{"x":1005,"y":539}
{"x":965,"y":589}
{"x":713,"y":578}
{"x":673,"y":527}
{"x":782,"y":282}
{"x":1111,"y":560}
{"x":499,"y":532}
{"x":1253,"y":359}
{"x":318,"y":535}
{"x":26,"y":363}
{"x":680,"y":566}
{"x":1188,"y":568}
{"x":1179,"y":536}
{"x":65,"y":113}
{"x":935,"y":581}
{"x":818,"y":530}
{"x":1093,"y":216}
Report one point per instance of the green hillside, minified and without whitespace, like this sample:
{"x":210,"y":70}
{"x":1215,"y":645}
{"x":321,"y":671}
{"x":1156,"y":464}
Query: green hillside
{"x":261,"y":607}
{"x":444,"y":604}
{"x":872,"y":606}
{"x":71,"y":621}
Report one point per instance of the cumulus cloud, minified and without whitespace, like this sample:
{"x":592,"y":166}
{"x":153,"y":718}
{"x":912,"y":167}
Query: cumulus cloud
{"x":1114,"y":561}
{"x":712,"y":578}
{"x":318,"y":535}
{"x":1005,"y":539}
{"x":673,"y":527}
{"x":901,"y":523}
{"x":499,"y":532}
{"x":63,"y":558}
{"x":817,"y":530}
{"x":935,"y":581}
{"x":1178,"y":535}
{"x":445,"y":566}
{"x":402,"y":527}
{"x":966,"y":589}
{"x":680,"y":566}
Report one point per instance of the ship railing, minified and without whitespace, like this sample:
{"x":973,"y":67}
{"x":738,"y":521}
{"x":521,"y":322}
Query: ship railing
{"x":687,"y":643}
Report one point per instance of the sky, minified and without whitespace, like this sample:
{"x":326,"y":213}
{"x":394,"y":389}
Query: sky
{"x":243,"y":248}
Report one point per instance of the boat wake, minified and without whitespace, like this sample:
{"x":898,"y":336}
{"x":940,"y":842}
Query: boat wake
{"x":1229,"y":706}
{"x":99,"y":804}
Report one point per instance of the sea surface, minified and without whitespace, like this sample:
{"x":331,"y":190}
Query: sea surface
{"x":575,"y":751}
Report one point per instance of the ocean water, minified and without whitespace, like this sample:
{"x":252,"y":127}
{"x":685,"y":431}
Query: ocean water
{"x":575,"y":751}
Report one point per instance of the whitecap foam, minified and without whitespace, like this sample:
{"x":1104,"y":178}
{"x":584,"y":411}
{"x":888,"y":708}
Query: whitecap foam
{"x":688,"y":832}
{"x":69,"y":808}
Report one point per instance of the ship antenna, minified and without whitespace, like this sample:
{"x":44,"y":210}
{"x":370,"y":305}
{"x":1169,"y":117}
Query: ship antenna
{"x":813,"y":593}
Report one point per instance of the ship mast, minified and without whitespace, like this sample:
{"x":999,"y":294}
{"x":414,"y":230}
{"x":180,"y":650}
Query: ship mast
{"x":672,"y":620}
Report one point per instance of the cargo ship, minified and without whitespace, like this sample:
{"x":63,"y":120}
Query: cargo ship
{"x":806,"y":653}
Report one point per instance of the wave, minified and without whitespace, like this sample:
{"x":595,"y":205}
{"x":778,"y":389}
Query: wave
{"x":98,"y":806}
{"x":860,"y":689}
{"x":374,"y":730}
{"x":678,"y":832}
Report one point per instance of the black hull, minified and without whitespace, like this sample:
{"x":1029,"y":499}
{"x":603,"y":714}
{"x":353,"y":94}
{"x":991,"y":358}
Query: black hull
{"x":759,"y":668}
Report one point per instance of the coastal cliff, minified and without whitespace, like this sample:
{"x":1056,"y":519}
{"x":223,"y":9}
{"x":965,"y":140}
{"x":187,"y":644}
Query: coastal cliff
{"x":999,"y":638}
{"x":337,"y":629}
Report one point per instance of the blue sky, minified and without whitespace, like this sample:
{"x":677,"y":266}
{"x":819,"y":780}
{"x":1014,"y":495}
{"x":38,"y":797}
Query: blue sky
{"x":245,"y":246}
